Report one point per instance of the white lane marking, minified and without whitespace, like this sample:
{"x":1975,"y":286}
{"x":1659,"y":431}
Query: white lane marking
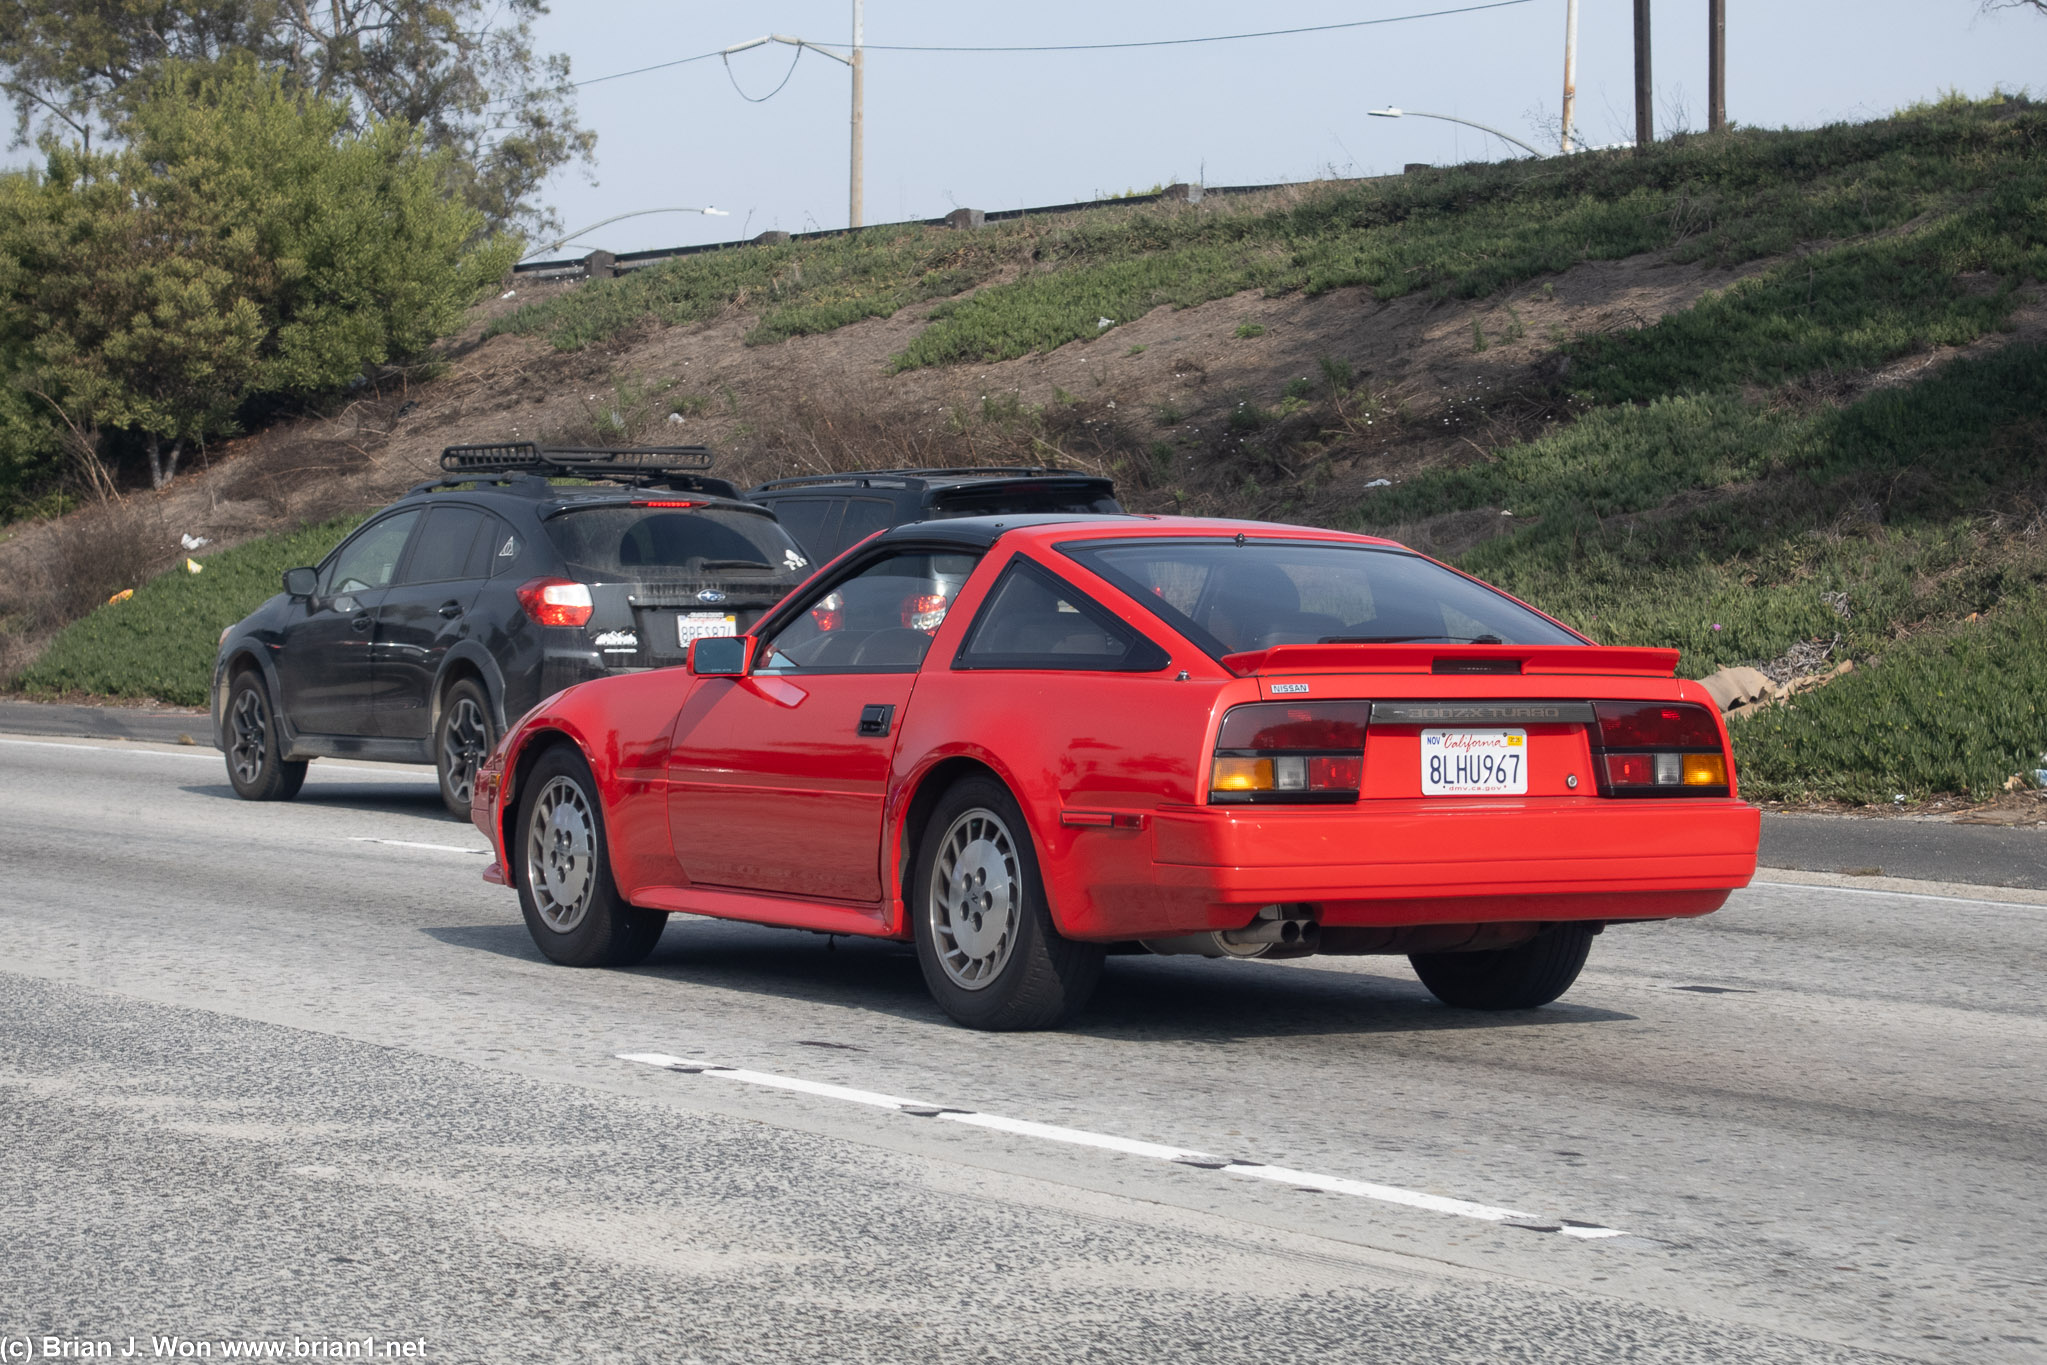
{"x":407,"y":843}
{"x":1108,"y":1142}
{"x":206,"y":753}
{"x":1875,"y":891}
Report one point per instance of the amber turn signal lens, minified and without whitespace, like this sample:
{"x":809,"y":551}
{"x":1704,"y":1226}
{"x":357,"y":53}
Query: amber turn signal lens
{"x":1241,"y":775}
{"x":1705,"y":770}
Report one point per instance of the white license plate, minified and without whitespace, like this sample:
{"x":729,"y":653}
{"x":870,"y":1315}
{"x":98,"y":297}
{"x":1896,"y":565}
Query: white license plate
{"x":702,"y":625}
{"x":1474,"y":762}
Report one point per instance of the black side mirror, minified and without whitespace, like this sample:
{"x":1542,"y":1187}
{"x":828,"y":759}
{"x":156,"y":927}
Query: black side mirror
{"x":301,"y":582}
{"x":720,"y":656}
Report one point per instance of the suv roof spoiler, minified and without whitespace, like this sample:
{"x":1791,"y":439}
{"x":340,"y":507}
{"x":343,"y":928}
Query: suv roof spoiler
{"x":676,"y":467}
{"x":971,"y":471}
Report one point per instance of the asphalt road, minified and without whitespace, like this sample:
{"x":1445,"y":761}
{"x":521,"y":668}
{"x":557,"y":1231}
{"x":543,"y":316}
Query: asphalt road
{"x":293,"y":1071}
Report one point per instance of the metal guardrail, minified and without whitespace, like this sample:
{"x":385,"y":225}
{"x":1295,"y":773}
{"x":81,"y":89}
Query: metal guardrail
{"x":603,"y":264}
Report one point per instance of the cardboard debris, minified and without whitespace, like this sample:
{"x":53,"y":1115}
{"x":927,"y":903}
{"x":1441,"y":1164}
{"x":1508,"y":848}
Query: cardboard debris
{"x":1741,"y":691}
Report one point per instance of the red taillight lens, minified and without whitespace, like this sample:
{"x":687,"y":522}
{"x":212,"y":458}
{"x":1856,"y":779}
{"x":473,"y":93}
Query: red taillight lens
{"x":1282,"y":751}
{"x":830,"y":612}
{"x":666,"y":503}
{"x":557,"y":601}
{"x":1655,"y":725}
{"x":925,"y":612}
{"x":1676,"y":749}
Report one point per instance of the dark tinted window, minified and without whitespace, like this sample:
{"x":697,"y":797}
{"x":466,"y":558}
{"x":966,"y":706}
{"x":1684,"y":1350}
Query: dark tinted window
{"x":1011,"y":499}
{"x":1032,"y":620}
{"x":881,"y":619}
{"x":610,"y":543}
{"x":809,"y":522}
{"x":370,"y":559}
{"x":1229,"y":598}
{"x":491,"y":537}
{"x":441,"y":550}
{"x":864,"y":516}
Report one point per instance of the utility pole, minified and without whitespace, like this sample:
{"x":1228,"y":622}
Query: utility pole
{"x":1645,"y":104}
{"x":1571,"y":69}
{"x":1716,"y":65}
{"x":859,"y":65}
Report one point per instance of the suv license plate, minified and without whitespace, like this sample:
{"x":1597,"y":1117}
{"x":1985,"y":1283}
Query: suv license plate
{"x":1474,"y":762}
{"x":701,"y":625}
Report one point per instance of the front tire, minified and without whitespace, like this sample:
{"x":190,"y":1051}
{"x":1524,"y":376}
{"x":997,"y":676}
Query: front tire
{"x":572,"y":906}
{"x":985,"y":939}
{"x":1519,"y":978}
{"x":463,"y":738}
{"x":256,"y":765}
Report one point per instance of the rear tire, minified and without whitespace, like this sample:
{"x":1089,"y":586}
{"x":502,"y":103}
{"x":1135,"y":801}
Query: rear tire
{"x":985,"y":939}
{"x":463,"y":738}
{"x":255,"y":745}
{"x":1518,"y":978}
{"x":558,"y":850}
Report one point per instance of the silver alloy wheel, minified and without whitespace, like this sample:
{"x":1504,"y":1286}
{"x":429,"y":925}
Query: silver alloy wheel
{"x":976,"y":899}
{"x":561,"y":855}
{"x":251,"y":723}
{"x":465,"y":743}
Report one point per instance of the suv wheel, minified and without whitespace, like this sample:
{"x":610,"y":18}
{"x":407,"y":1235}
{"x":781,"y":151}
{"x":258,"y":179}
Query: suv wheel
{"x":463,"y":738}
{"x":255,"y":762}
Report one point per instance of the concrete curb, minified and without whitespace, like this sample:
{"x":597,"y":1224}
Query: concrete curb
{"x":1900,"y":886}
{"x":106,"y":722}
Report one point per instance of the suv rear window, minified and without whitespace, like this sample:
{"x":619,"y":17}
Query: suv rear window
{"x":1230,"y":598}
{"x":633,"y":542}
{"x":1011,"y":500}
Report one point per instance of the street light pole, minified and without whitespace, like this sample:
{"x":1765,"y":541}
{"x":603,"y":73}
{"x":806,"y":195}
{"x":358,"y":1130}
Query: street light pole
{"x":1645,"y":106}
{"x":859,"y":65}
{"x":1716,"y":65}
{"x":1452,"y":118}
{"x":1570,"y":70}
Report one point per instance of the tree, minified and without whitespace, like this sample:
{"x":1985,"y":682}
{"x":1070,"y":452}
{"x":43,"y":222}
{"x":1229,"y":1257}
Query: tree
{"x":242,"y":240}
{"x":462,"y":72}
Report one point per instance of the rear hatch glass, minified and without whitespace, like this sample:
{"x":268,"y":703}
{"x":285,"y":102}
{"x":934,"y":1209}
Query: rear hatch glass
{"x":1022,"y":499}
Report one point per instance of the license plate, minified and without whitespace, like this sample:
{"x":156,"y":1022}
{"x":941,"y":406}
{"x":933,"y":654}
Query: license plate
{"x":702,"y":625}
{"x":1474,"y":762}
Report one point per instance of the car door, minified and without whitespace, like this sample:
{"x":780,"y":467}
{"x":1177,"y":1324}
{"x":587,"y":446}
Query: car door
{"x":777,"y":779}
{"x":324,"y":666}
{"x":422,"y":615}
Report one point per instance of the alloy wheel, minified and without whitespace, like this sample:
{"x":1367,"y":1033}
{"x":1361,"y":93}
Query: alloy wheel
{"x":251,"y":724}
{"x":976,"y":899}
{"x":465,"y":743}
{"x":561,"y":855}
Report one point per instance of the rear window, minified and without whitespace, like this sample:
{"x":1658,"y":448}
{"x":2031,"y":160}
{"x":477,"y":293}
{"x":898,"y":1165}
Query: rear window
{"x":1229,"y":598}
{"x":1010,"y":500}
{"x":640,"y":542}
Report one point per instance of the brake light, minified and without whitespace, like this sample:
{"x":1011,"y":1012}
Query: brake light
{"x":830,"y":612}
{"x":925,"y":611}
{"x":1289,"y":752}
{"x":638,"y":503}
{"x":1659,"y":749}
{"x":557,"y":601}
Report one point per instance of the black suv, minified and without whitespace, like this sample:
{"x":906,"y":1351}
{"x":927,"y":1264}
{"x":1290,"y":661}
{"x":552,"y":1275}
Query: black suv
{"x":827,"y":513}
{"x":467,"y":601}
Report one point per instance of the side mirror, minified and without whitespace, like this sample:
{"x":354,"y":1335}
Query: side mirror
{"x":721,"y":656}
{"x":301,"y":582}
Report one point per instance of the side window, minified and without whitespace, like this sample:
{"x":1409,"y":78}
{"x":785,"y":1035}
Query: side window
{"x":440,"y":553}
{"x":369,"y":561}
{"x":810,"y":522}
{"x":864,"y":516}
{"x":491,"y":536}
{"x":880,"y":620}
{"x":1033,"y":620}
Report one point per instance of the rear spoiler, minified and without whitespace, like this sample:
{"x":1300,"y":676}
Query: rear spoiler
{"x":1446,"y":658}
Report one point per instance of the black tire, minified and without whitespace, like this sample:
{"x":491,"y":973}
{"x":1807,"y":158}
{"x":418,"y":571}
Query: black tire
{"x":463,"y":738}
{"x":992,"y":958}
{"x":1518,"y":978}
{"x":256,"y":765}
{"x":575,"y":914}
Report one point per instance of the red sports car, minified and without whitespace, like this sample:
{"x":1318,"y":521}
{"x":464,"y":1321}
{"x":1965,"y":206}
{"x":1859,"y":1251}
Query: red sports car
{"x":1023,"y":742}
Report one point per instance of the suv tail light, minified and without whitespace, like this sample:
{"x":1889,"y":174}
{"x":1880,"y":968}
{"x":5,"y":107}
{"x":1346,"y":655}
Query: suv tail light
{"x":557,"y":601}
{"x":1281,"y":752}
{"x":1659,"y":749}
{"x":925,"y":612}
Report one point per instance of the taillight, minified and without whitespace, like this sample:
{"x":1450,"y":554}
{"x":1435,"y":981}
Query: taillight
{"x":1659,"y":749}
{"x":830,"y":612}
{"x":663,"y":502}
{"x":1290,"y":752}
{"x":925,"y":612}
{"x":557,"y":601}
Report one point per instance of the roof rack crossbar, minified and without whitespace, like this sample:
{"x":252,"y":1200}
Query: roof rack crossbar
{"x":529,"y":457}
{"x":852,"y":475}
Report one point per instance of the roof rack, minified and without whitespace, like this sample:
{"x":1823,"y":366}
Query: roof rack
{"x":675,"y":467}
{"x":969,"y":471}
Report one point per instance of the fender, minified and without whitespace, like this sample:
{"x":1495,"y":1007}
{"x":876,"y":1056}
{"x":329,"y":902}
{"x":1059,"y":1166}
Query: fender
{"x":255,"y":648}
{"x":473,"y":654}
{"x":897,"y":834}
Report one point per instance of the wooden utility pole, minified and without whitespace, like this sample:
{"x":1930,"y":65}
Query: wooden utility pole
{"x":859,"y":65}
{"x":1645,"y":103}
{"x":1716,"y":66}
{"x":1570,"y":70}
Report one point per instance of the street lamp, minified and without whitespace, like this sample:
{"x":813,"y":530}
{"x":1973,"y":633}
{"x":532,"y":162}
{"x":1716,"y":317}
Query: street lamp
{"x":1452,"y":118}
{"x":617,"y":218}
{"x":855,"y":59}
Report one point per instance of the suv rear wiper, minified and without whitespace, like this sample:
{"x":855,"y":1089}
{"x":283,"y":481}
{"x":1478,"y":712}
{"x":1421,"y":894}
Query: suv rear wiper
{"x":1407,"y":639}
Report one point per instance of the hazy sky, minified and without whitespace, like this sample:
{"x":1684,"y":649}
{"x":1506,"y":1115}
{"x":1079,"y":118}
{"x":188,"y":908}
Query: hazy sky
{"x":1010,"y":130}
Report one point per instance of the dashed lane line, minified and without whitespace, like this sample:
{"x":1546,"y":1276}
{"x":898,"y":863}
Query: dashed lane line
{"x":206,"y":753}
{"x":1108,"y":1142}
{"x":407,"y":843}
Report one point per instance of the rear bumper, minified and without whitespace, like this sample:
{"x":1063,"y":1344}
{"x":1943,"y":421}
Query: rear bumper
{"x":1442,"y":861}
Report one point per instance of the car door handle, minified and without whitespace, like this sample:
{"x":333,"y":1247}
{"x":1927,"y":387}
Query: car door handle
{"x":451,"y":609}
{"x":876,"y":720}
{"x":360,"y":622}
